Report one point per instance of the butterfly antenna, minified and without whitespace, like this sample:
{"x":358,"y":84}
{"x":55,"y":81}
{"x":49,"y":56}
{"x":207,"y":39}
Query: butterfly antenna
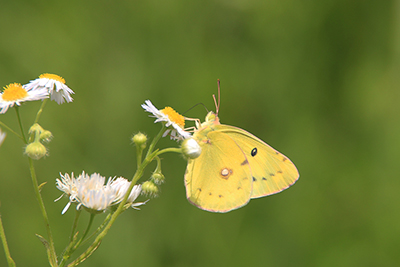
{"x":219,"y":97}
{"x":194,"y":107}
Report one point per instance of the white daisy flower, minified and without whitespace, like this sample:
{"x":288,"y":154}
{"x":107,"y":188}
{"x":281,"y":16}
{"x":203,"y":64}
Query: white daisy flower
{"x":68,"y":184}
{"x":55,"y":85}
{"x":171,"y":118}
{"x":121,"y":186}
{"x":2,"y":137}
{"x":92,"y":193}
{"x":14,"y":94}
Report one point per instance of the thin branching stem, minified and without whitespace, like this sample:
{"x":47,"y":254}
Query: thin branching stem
{"x":40,"y":110}
{"x":52,"y":251}
{"x":11,"y":130}
{"x":10,"y":261}
{"x":75,"y":224}
{"x":155,"y":140}
{"x":20,"y":124}
{"x":170,"y":149}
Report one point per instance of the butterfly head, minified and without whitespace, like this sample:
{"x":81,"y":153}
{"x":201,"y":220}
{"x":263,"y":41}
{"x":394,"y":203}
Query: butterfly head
{"x":212,"y":118}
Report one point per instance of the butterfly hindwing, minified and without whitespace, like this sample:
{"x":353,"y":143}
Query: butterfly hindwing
{"x":220,"y":179}
{"x":272,"y":171}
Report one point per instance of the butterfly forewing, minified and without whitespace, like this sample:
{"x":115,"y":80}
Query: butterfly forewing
{"x":272,"y":171}
{"x":220,"y":179}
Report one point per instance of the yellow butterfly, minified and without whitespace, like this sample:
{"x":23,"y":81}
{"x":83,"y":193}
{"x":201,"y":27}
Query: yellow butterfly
{"x":233,"y":167}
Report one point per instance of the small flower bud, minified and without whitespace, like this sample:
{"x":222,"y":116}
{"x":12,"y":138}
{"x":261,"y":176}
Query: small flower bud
{"x":36,"y":128}
{"x":36,"y":150}
{"x":46,"y":136}
{"x":190,"y":148}
{"x":140,"y":139}
{"x":158,"y":177}
{"x":149,"y":189}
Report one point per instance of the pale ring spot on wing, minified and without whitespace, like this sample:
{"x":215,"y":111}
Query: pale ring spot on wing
{"x":225,"y":173}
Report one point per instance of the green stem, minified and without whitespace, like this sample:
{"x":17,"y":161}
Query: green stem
{"x":20,"y":124}
{"x":40,"y":110}
{"x":10,"y":261}
{"x":67,"y":251}
{"x":158,"y":168}
{"x":139,"y":155}
{"x":11,"y":130}
{"x":170,"y":149}
{"x":71,"y":249}
{"x":155,"y":140}
{"x":72,"y":239}
{"x":52,"y":252}
{"x":75,"y":224}
{"x":106,"y":220}
{"x":87,"y":229}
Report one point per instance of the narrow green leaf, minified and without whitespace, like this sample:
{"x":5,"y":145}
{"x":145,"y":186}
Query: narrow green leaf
{"x":47,"y":246}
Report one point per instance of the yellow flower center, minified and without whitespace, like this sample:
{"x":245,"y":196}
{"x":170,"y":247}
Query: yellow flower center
{"x":52,"y":77}
{"x":14,"y":91}
{"x":174,"y":116}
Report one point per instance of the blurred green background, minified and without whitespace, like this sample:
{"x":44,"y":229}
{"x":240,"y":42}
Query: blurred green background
{"x":317,"y":80}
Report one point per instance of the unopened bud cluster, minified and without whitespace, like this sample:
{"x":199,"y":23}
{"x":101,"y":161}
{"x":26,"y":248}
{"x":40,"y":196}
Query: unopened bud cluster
{"x":35,"y":149}
{"x":151,"y":187}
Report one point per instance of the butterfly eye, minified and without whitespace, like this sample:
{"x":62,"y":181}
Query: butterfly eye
{"x":253,"y":152}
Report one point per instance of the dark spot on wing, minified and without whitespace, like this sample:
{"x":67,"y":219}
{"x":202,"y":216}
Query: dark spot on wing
{"x":279,"y":172}
{"x":271,"y":174}
{"x":264,"y":178}
{"x":254,"y":179}
{"x":244,"y":162}
{"x":284,"y":159}
{"x":253,"y":152}
{"x":220,"y":196}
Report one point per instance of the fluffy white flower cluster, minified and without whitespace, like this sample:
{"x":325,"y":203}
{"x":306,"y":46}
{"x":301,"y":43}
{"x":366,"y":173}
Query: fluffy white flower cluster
{"x":92,"y":193}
